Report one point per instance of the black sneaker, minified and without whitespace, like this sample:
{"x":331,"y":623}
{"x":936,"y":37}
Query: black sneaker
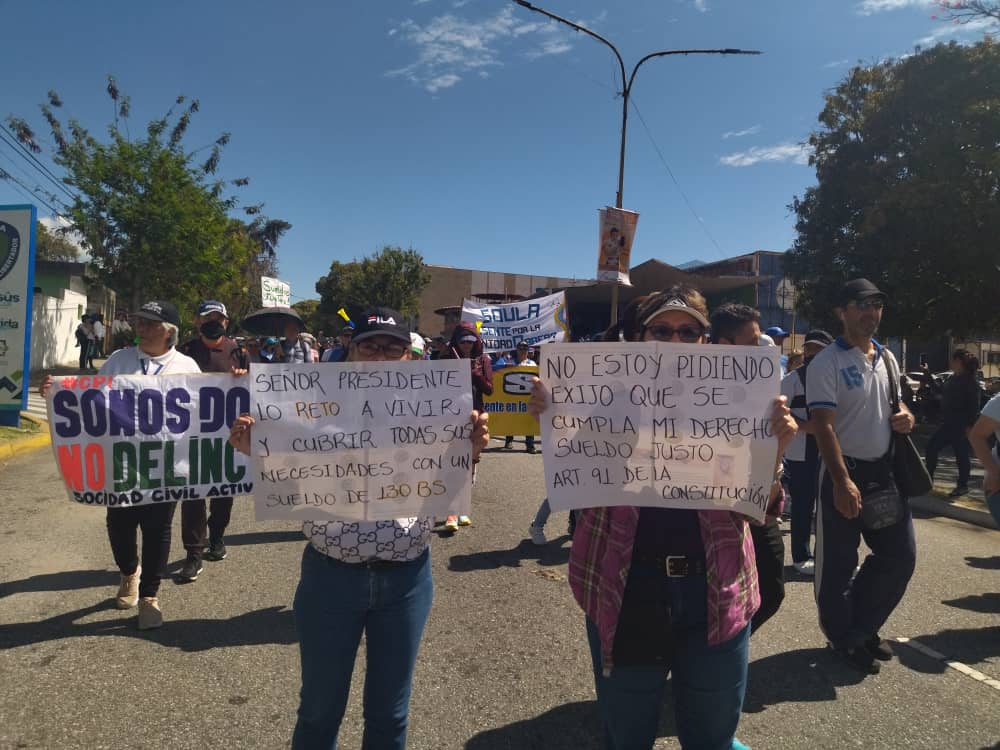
{"x":216,"y":551}
{"x":859,"y":659}
{"x":878,"y":648}
{"x":190,"y":569}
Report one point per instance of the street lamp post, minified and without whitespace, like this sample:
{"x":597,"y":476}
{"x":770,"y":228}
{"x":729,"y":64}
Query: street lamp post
{"x":626,"y":90}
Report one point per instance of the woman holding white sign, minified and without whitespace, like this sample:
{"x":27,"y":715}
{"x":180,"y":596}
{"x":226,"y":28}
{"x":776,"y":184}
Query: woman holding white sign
{"x":668,"y":591}
{"x":371,"y":577}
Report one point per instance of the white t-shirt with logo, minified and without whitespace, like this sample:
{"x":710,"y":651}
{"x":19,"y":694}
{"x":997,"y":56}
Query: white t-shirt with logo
{"x":791,"y":386}
{"x":842,"y":378}
{"x":134,"y":361}
{"x":992,"y":410}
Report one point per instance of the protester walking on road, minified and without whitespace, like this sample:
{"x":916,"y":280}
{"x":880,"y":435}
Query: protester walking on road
{"x":466,"y":344}
{"x":668,"y":591}
{"x":986,"y":426}
{"x":739,"y":325}
{"x":802,"y":456}
{"x":367,"y":577}
{"x":524,"y":359}
{"x":959,"y":410}
{"x":214,"y":351}
{"x":156,"y":324}
{"x":849,"y":386}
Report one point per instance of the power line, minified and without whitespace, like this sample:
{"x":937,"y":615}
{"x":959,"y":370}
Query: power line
{"x":26,"y":154}
{"x":4,"y":174}
{"x":670,"y":172}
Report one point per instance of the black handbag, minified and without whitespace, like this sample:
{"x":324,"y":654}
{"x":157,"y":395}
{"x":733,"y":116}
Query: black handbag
{"x":881,"y":502}
{"x":908,"y":467}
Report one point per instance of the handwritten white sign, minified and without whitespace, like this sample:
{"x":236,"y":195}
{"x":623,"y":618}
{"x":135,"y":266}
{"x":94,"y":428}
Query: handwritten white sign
{"x":362,"y":441}
{"x":274,"y":292}
{"x":659,"y":425}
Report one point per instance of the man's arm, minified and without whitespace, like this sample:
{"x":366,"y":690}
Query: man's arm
{"x":846,"y":497}
{"x":978,"y":437}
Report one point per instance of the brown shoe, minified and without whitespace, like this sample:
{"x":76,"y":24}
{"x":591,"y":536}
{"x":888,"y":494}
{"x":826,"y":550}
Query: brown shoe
{"x":128,"y":590}
{"x":150,"y":615}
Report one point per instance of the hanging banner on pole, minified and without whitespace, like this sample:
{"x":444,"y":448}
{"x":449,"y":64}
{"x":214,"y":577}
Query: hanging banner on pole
{"x":617,"y":231}
{"x":274,"y":293}
{"x":535,"y":321}
{"x":17,"y":270}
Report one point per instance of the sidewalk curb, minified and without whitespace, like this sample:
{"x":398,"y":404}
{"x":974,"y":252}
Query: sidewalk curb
{"x":940,"y":508}
{"x":12,"y":448}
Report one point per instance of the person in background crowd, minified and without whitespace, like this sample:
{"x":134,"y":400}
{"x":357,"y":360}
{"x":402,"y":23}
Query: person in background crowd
{"x":795,"y":359}
{"x":848,"y":389}
{"x":84,"y":339}
{"x":156,"y":324}
{"x":416,"y":346}
{"x":959,"y":410}
{"x":121,"y":332}
{"x":99,"y":333}
{"x":339,"y":354}
{"x":91,"y":341}
{"x":363,"y":577}
{"x":310,"y":341}
{"x":987,"y":426}
{"x":523,"y":358}
{"x":296,"y":348}
{"x":802,"y":455}
{"x":466,"y":344}
{"x":739,"y":325}
{"x":214,"y":351}
{"x":668,"y":590}
{"x":503,"y":359}
{"x":778,"y":335}
{"x":269,"y":353}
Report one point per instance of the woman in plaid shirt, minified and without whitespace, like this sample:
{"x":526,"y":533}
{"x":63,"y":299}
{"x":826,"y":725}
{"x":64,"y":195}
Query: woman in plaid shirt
{"x":668,"y":590}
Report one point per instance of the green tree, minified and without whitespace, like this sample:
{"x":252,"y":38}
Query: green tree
{"x":392,"y":276}
{"x":151,"y":213}
{"x":908,"y":181}
{"x":308,"y":309}
{"x":53,"y":245}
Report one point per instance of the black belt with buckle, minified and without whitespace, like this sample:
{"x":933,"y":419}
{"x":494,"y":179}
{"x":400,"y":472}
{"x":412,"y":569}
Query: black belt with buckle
{"x":675,"y":566}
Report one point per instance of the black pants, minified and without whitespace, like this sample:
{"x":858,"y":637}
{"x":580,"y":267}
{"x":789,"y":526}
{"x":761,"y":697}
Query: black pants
{"x":197,"y":530}
{"x":802,"y":477}
{"x":953,"y":435}
{"x":769,"y":548}
{"x":155,"y":521}
{"x":84,"y":354}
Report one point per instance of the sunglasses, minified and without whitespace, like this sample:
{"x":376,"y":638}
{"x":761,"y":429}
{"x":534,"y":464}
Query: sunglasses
{"x":392,"y":351}
{"x":870,"y":304}
{"x":687,"y":334}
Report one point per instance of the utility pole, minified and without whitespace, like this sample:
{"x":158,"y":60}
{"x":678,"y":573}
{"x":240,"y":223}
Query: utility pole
{"x":626,"y":90}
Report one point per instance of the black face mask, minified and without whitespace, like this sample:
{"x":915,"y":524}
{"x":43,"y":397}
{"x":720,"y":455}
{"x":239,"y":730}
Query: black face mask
{"x":212,"y":330}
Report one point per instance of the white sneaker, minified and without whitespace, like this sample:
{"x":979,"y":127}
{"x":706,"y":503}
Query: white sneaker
{"x":806,"y":567}
{"x":537,"y":535}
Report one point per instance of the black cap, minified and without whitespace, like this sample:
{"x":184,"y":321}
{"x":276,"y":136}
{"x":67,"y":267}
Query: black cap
{"x":857,"y":290}
{"x":523,"y":345}
{"x":382,"y":321}
{"x":160,"y":311}
{"x":818,"y":336}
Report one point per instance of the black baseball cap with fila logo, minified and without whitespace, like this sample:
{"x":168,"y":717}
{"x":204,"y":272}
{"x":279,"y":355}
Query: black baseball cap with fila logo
{"x":382,"y":321}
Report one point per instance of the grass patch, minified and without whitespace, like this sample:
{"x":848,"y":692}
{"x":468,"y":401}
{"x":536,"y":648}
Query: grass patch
{"x":27,"y":427}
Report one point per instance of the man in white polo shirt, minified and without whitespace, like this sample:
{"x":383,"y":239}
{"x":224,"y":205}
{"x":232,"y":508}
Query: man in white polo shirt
{"x":849,"y":400}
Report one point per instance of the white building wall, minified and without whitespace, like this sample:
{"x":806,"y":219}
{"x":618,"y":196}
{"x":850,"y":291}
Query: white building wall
{"x":53,"y":326}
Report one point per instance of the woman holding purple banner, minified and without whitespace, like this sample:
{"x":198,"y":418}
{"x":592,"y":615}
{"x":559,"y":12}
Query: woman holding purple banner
{"x":668,"y":591}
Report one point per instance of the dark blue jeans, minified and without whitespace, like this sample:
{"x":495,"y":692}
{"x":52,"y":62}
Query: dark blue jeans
{"x":852,"y":611}
{"x":334,"y":604}
{"x":708,"y":681}
{"x":802,"y":478}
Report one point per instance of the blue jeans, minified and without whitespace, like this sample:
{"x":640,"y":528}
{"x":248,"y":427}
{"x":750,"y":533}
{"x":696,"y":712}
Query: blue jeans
{"x":542,"y":516}
{"x":708,"y":681}
{"x":334,"y":604}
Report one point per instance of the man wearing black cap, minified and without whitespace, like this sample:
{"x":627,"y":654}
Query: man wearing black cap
{"x":339,"y":354}
{"x":848,"y":387}
{"x":214,"y":351}
{"x":802,"y":455}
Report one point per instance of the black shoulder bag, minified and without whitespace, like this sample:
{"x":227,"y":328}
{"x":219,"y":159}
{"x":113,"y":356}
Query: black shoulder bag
{"x":908,"y":468}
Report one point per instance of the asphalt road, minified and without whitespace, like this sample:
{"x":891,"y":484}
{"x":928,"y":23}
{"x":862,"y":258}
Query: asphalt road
{"x":503,"y":666}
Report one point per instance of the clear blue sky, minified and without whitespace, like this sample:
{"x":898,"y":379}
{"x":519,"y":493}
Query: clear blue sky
{"x":473,"y":130}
